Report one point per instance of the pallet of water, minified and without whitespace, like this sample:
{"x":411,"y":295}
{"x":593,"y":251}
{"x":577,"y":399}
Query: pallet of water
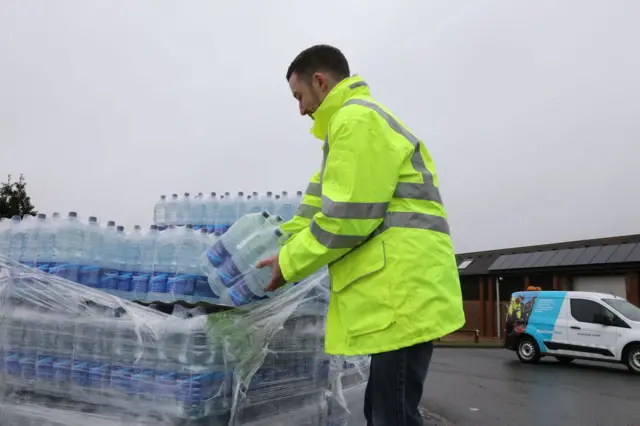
{"x":75,"y":355}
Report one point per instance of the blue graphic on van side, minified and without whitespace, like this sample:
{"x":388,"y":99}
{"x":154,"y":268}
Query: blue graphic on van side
{"x":536,"y":313}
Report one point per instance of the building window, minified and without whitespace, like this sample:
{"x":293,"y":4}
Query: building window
{"x":465,"y":263}
{"x":470,"y":288}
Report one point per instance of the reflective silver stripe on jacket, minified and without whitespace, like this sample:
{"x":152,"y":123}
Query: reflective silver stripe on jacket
{"x":314,"y":189}
{"x":334,"y":241}
{"x":307,"y":211}
{"x":416,"y":191}
{"x":391,"y":220}
{"x":341,"y":210}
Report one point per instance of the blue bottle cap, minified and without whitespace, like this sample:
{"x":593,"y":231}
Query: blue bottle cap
{"x":93,"y":219}
{"x":16,"y":218}
{"x":120,"y":228}
{"x":189,"y":226}
{"x":42,"y":216}
{"x":154,"y":227}
{"x":163,"y":197}
{"x":137,"y":228}
{"x":265,"y":214}
{"x":111,"y":223}
{"x":73,"y":214}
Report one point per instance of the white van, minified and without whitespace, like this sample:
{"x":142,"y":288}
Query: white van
{"x":572,"y":325}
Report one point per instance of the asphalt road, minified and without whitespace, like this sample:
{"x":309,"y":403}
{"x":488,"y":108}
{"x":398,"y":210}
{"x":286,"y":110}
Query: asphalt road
{"x":478,"y":387}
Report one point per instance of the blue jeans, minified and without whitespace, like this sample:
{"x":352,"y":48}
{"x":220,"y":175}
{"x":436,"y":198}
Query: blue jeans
{"x":394,"y":389}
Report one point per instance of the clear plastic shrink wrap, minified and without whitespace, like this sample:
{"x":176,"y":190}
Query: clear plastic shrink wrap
{"x":72,"y":355}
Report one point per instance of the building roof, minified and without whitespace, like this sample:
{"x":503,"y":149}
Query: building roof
{"x":596,"y":253}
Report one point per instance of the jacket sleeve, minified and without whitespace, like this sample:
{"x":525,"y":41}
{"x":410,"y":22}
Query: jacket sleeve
{"x":309,"y":206}
{"x":359,"y":177}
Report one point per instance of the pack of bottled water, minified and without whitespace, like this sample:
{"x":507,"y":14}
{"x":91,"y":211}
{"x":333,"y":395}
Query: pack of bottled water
{"x":137,"y":265}
{"x":229,"y":262}
{"x":75,"y":355}
{"x":216,"y":213}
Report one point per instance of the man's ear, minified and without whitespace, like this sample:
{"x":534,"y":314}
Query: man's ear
{"x":320,"y":81}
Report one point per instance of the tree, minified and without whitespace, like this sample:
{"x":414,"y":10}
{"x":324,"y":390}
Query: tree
{"x":14,"y":199}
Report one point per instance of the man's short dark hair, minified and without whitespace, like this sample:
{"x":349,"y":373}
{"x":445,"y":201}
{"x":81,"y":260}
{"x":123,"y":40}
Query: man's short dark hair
{"x":320,"y":58}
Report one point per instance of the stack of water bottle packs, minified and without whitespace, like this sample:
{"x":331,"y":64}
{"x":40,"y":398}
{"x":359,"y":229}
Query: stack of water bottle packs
{"x":75,"y":354}
{"x":72,"y":355}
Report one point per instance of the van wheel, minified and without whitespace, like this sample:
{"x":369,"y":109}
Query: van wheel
{"x":564,"y":359}
{"x":632,"y":359}
{"x":528,"y":350}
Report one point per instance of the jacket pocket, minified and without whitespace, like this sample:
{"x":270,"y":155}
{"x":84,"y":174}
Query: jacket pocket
{"x":361,"y":290}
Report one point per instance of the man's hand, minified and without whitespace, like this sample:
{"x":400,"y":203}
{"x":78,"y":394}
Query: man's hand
{"x":277,"y":280}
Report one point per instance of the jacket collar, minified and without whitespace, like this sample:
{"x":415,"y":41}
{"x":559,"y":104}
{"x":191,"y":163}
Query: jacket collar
{"x":342,"y":92}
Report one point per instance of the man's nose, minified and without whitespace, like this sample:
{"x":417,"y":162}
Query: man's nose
{"x":303,"y":110}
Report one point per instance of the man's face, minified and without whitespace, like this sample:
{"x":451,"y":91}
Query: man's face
{"x":309,"y":91}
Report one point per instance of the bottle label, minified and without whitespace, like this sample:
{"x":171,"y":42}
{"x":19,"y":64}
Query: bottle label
{"x":141,"y":283}
{"x":203,"y":289}
{"x":228,"y":273}
{"x":90,"y":276}
{"x":240,"y":293}
{"x":124,"y":282}
{"x":176,"y":285}
{"x":109,"y":281}
{"x":159,"y":283}
{"x":217,"y":254}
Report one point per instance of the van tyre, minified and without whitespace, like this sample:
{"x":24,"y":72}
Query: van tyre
{"x":632,"y":359}
{"x":528,"y":350}
{"x":564,"y":359}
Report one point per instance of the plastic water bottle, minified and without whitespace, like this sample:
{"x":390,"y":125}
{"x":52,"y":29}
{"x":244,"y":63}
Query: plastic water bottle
{"x":63,"y":362}
{"x":70,"y":237}
{"x":269,"y":203}
{"x":31,"y":243}
{"x":229,"y":243}
{"x":198,"y":212}
{"x":160,"y":211}
{"x":89,"y":273}
{"x":187,"y":271}
{"x":173,"y":210}
{"x":249,"y":282}
{"x":253,"y":204}
{"x":241,"y":202}
{"x":249,"y":252}
{"x":141,"y":279}
{"x":211,"y":212}
{"x":5,"y":235}
{"x":16,"y":238}
{"x":125,"y":351}
{"x":165,"y":263}
{"x":112,"y":258}
{"x":287,"y":207}
{"x":132,"y":261}
{"x":184,"y":215}
{"x":227,"y":214}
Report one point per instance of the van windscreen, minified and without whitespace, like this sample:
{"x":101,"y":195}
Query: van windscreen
{"x":629,"y":310}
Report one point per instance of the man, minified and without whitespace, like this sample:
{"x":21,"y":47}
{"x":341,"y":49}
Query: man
{"x":374,"y":215}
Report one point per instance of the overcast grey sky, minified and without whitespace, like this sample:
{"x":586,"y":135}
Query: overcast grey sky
{"x":530,"y":109}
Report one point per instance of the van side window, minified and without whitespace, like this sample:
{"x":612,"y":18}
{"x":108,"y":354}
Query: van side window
{"x":584,"y":310}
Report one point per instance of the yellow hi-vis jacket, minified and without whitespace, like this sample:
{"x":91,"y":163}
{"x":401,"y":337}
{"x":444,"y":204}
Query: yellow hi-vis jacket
{"x":374,"y":214}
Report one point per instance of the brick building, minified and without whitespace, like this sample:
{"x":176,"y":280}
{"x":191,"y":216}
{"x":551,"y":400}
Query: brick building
{"x":607,"y":265}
